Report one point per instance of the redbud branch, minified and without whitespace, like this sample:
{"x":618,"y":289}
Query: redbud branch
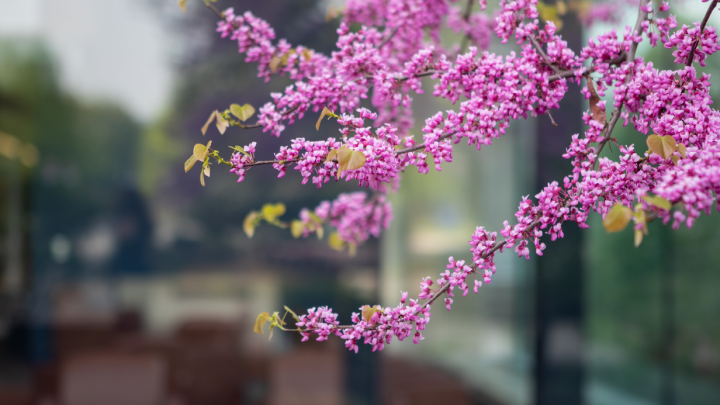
{"x":702,"y":28}
{"x":542,"y":53}
{"x":386,"y":40}
{"x":466,"y":17}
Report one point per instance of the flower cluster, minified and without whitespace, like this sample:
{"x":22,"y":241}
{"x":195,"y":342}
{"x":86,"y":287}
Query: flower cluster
{"x":492,"y":90}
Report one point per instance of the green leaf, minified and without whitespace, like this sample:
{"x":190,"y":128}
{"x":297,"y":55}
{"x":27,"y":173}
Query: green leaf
{"x":221,"y":123}
{"x":296,"y":228}
{"x":307,"y":54}
{"x":260,"y":322}
{"x":190,"y":163}
{"x":617,"y":219}
{"x":292,"y":313}
{"x":201,"y":151}
{"x":272,"y":211}
{"x":207,"y":124}
{"x":331,"y":155}
{"x":663,"y":146}
{"x":368,"y":312}
{"x":286,"y":56}
{"x":243,"y":113}
{"x":250,"y":222}
{"x":274,"y":64}
{"x":638,"y":237}
{"x":682,"y":150}
{"x":349,"y":159}
{"x":335,"y":242}
{"x":658,"y":202}
{"x":322,"y":114}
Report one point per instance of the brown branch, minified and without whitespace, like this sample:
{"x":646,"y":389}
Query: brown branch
{"x":466,"y":18}
{"x":542,"y":53}
{"x":386,"y":40}
{"x":642,"y":15}
{"x":702,"y":28}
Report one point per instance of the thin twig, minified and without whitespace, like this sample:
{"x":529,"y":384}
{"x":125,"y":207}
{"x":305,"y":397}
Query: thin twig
{"x":542,"y":53}
{"x":466,"y":18}
{"x":386,"y":40}
{"x":702,"y":28}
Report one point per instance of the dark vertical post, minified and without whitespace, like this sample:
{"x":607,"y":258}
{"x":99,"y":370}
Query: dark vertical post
{"x":667,"y":317}
{"x":559,"y":292}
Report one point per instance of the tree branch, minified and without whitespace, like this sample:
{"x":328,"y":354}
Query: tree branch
{"x":702,"y":28}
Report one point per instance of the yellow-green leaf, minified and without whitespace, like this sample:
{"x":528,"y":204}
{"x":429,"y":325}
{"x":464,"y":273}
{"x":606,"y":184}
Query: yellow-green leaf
{"x":335,"y":242}
{"x":207,"y":124}
{"x":682,"y":150}
{"x":183,"y":5}
{"x":319,"y":230}
{"x":250,"y":222}
{"x":242,"y":112}
{"x":272,"y":211}
{"x":658,"y":202}
{"x":190,"y":163}
{"x":296,"y":228}
{"x":292,"y":313}
{"x":307,"y":54}
{"x":221,"y":123}
{"x":663,"y":146}
{"x":260,"y":322}
{"x":617,"y":219}
{"x":325,"y":111}
{"x":201,"y":151}
{"x":286,"y":56}
{"x":331,"y":155}
{"x":349,"y":159}
{"x":368,"y":312}
{"x":202,"y":178}
{"x":275,"y":63}
{"x":638,"y":237}
{"x":675,"y":159}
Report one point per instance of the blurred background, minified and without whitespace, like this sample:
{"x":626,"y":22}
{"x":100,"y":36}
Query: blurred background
{"x":123,"y":281}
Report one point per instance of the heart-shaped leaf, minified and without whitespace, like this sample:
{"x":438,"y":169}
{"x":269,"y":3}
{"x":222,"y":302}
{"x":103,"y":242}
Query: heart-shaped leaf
{"x":250,"y":222}
{"x":331,"y":155}
{"x":242,"y":112}
{"x":207,"y":124}
{"x":658,"y":202}
{"x":274,"y":64}
{"x":201,"y":151}
{"x":296,"y":228}
{"x":663,"y":146}
{"x":349,"y":159}
{"x":221,"y":123}
{"x":325,"y":111}
{"x":272,"y":211}
{"x":617,"y":219}
{"x":260,"y":322}
{"x":368,"y":312}
{"x":190,"y":163}
{"x":682,"y":150}
{"x":335,"y":242}
{"x":597,"y":112}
